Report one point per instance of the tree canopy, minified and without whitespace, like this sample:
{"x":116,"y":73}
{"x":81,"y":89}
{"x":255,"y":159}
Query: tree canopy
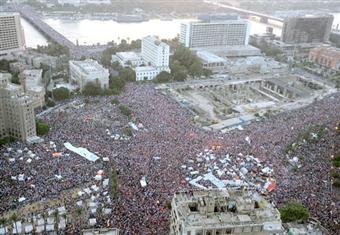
{"x":293,"y":211}
{"x":61,"y":93}
{"x":163,"y":77}
{"x":42,"y":128}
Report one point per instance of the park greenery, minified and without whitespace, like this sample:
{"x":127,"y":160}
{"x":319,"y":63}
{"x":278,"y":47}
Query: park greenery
{"x":270,"y":51}
{"x":125,"y":110}
{"x":61,"y":93}
{"x":113,"y":187}
{"x":293,"y":211}
{"x":42,"y":127}
{"x":53,"y":49}
{"x":6,"y":140}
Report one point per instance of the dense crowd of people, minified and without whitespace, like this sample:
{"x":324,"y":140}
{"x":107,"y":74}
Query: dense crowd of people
{"x":157,"y":151}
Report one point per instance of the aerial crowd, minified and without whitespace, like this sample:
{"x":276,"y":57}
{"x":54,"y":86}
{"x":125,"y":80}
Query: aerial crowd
{"x":166,"y":138}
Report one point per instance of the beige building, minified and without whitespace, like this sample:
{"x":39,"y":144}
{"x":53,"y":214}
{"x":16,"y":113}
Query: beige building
{"x":220,"y":212}
{"x":17,"y":117}
{"x":89,"y":71}
{"x":11,"y":33}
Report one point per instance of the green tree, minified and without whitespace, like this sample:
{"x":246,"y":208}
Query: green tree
{"x":15,"y":79}
{"x":42,"y":128}
{"x":127,"y":74}
{"x":61,"y":93}
{"x":207,"y":73}
{"x":3,"y":222}
{"x":293,"y":211}
{"x":113,"y":182}
{"x":180,"y":76}
{"x":195,"y":69}
{"x":14,"y":219}
{"x":117,"y":83}
{"x":91,"y":89}
{"x":163,"y":77}
{"x":125,"y":110}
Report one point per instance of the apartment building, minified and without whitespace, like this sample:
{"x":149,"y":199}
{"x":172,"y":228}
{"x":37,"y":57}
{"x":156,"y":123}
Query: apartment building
{"x":155,"y":53}
{"x":17,"y":117}
{"x":11,"y":33}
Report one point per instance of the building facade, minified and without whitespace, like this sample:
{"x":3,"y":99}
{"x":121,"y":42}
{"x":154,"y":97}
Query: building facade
{"x":328,"y":57}
{"x":307,"y":29}
{"x":89,"y":71}
{"x":11,"y":33}
{"x":215,"y":33}
{"x":17,"y":117}
{"x":155,"y":53}
{"x":221,"y":212}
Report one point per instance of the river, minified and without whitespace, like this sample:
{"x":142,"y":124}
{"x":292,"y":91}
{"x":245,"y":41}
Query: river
{"x":89,"y":32}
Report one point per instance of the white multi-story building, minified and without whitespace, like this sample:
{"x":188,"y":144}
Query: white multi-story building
{"x":83,"y":72}
{"x":17,"y":117}
{"x":11,"y":33}
{"x":215,"y":33}
{"x":155,"y":53}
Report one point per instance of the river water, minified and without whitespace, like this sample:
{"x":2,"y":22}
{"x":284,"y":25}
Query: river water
{"x":89,"y":32}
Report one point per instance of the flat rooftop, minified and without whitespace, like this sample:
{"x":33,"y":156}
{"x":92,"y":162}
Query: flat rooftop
{"x":6,"y":14}
{"x":88,"y":66}
{"x":130,"y":55}
{"x":210,"y":57}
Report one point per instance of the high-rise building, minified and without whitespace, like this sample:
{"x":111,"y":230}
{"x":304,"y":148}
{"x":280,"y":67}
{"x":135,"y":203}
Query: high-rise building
{"x":212,"y":32}
{"x":17,"y":117}
{"x":11,"y":33}
{"x":89,"y":71}
{"x":220,"y":212}
{"x":155,"y":53}
{"x":307,"y":29}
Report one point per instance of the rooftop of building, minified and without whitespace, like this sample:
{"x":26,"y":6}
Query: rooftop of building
{"x":129,"y":55}
{"x":32,"y":73}
{"x":145,"y":69}
{"x":6,"y":14}
{"x":222,"y":207}
{"x":328,"y":49}
{"x":210,"y":57}
{"x":304,"y":15}
{"x":156,"y":41}
{"x":218,"y":17}
{"x":89,"y":66}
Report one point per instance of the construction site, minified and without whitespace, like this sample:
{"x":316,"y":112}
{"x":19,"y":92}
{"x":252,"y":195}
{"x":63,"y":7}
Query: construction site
{"x":228,"y":103}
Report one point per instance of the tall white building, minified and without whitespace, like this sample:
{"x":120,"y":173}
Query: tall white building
{"x":215,"y":32}
{"x":83,"y":72}
{"x":11,"y":33}
{"x":155,"y":55}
